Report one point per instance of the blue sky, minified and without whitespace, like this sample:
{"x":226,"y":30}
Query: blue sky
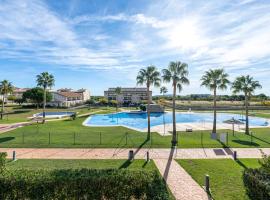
{"x":100,"y":44}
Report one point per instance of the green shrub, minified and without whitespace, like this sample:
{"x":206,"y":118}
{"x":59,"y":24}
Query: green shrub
{"x":82,"y":184}
{"x":3,"y":157}
{"x":257,"y":183}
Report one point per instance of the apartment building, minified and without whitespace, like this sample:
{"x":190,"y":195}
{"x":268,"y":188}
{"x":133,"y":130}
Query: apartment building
{"x":128,"y":95}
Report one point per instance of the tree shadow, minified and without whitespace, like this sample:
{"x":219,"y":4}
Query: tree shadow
{"x":125,"y":165}
{"x":247,"y":143}
{"x":260,"y":139}
{"x":141,"y":145}
{"x":241,"y":164}
{"x":168,"y":165}
{"x":6,"y":139}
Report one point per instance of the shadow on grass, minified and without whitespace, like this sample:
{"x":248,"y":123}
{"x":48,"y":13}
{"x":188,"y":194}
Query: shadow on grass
{"x":125,"y":164}
{"x":244,"y":142}
{"x":6,"y":139}
{"x":241,"y":164}
{"x":260,"y":139}
{"x":141,"y":145}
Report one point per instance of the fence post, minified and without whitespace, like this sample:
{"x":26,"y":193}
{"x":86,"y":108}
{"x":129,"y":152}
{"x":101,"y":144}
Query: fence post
{"x":100,"y":138}
{"x":74,"y":138}
{"x":14,"y":156}
{"x":235,"y":155}
{"x":49,"y":137}
{"x":147,"y":156}
{"x":207,"y":183}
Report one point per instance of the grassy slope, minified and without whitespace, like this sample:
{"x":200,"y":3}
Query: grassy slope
{"x":225,"y":176}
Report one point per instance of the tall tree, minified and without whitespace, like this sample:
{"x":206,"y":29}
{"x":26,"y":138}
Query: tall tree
{"x":45,"y":80}
{"x":5,"y":88}
{"x":215,"y":79}
{"x":163,"y":90}
{"x":247,"y":85}
{"x":176,"y":73}
{"x":118,"y":91}
{"x":149,"y":76}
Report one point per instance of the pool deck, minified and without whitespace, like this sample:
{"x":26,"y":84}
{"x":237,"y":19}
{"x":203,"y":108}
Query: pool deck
{"x":165,"y":130}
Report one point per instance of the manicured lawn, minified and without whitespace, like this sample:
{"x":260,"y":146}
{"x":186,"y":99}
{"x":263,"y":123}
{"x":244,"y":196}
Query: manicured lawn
{"x":19,"y":114}
{"x":225,"y":176}
{"x":36,"y":164}
{"x":70,"y":133}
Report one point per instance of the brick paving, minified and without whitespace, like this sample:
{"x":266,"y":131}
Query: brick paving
{"x":181,"y":184}
{"x":115,"y":153}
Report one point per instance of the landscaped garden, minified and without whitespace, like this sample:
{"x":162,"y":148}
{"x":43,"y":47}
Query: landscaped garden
{"x":71,"y":133}
{"x":226,"y":176}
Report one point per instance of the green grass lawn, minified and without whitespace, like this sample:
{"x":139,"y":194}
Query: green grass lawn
{"x":225,"y":176}
{"x":69,"y":133}
{"x":19,"y":114}
{"x":50,"y":164}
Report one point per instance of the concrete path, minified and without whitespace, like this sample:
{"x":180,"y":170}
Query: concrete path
{"x":181,"y":184}
{"x":196,"y":153}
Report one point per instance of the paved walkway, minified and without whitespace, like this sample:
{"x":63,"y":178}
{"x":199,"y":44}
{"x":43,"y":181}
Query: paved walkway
{"x":179,"y":181}
{"x":181,"y":184}
{"x":196,"y":153}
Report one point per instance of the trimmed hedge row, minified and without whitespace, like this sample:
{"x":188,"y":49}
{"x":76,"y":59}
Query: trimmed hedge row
{"x":257,"y":182}
{"x":82,"y":184}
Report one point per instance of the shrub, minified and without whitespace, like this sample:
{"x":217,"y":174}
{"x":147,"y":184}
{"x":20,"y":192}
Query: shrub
{"x":83,"y":184}
{"x":142,"y":107}
{"x":257,"y":183}
{"x":3,"y":157}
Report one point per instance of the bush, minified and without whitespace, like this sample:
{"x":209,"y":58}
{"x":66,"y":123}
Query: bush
{"x":82,"y":184}
{"x":3,"y":158}
{"x":142,"y":107}
{"x":257,"y":181}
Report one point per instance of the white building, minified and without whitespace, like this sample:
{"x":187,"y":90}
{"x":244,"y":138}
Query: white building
{"x":128,"y":95}
{"x":68,"y":97}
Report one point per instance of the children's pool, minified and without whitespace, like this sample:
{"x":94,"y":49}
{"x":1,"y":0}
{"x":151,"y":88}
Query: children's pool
{"x":54,"y":114}
{"x":138,"y":120}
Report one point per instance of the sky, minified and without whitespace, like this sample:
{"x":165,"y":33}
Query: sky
{"x":96,"y":44}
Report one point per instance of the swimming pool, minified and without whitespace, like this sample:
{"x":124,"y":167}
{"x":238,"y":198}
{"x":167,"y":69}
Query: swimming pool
{"x":138,"y":120}
{"x":54,"y":114}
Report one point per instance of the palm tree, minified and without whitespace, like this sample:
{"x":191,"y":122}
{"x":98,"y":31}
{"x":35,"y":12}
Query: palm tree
{"x":5,"y":88}
{"x":45,"y":80}
{"x":247,"y":85}
{"x":118,"y":91}
{"x":149,"y":76}
{"x":176,"y":73}
{"x":215,"y":79}
{"x":163,"y":90}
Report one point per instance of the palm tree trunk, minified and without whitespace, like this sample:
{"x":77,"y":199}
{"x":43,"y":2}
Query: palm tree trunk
{"x":44,"y":104}
{"x":215,"y":112}
{"x":247,"y":120}
{"x":148,"y":112}
{"x":3,"y":102}
{"x":174,"y":138}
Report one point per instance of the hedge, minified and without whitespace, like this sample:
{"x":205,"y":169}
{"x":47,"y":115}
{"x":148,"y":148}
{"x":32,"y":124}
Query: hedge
{"x":82,"y":184}
{"x":257,"y":182}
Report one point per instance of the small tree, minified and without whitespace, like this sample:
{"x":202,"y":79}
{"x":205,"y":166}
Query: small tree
{"x":114,"y":103}
{"x":5,"y":88}
{"x":45,"y":80}
{"x":35,"y":95}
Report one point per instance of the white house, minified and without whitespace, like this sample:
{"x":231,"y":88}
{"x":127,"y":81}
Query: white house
{"x":68,"y":97}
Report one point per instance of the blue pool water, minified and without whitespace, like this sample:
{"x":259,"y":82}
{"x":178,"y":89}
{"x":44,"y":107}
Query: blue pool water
{"x":138,"y":120}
